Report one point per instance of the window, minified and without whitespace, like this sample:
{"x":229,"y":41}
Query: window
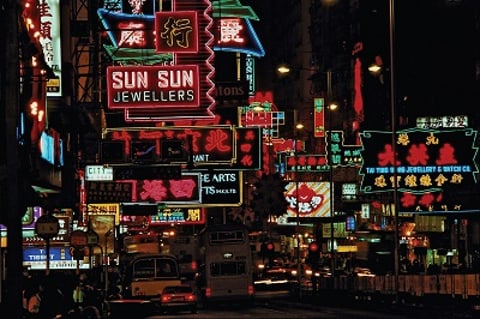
{"x":226,"y":237}
{"x":228,"y":268}
{"x":144,"y":268}
{"x":154,"y":268}
{"x":166,"y":268}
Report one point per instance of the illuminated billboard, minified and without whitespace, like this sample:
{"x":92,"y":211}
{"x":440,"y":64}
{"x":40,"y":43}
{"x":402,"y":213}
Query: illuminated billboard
{"x":221,"y":188}
{"x":176,"y":32}
{"x":51,"y":43}
{"x":235,"y":30}
{"x":164,"y":60}
{"x":179,"y":215}
{"x":426,"y":160}
{"x":306,"y":200}
{"x":207,"y":145}
{"x":184,"y":190}
{"x":35,"y":258}
{"x":153,"y":87}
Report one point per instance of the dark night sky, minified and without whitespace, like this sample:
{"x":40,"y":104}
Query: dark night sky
{"x":436,"y":44}
{"x":436,"y":48}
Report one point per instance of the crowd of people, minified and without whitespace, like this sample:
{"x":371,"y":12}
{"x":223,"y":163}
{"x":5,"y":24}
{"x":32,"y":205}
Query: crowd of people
{"x":64,"y":296}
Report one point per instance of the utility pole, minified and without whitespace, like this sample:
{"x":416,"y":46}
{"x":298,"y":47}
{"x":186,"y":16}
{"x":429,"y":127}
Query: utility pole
{"x":10,"y":158}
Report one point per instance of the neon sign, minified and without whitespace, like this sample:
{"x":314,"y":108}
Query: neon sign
{"x":236,"y":33}
{"x":307,"y":163}
{"x":175,"y":81}
{"x":176,"y":32}
{"x":426,"y":160}
{"x":179,"y":215}
{"x":205,"y":144}
{"x":319,"y":117}
{"x":341,"y":154}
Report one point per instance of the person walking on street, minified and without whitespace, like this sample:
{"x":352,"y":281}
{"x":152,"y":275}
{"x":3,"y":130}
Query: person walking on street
{"x":34,"y":303}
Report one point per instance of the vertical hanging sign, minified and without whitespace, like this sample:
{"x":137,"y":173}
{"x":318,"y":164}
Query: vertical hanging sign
{"x":319,"y":117}
{"x":50,"y":41}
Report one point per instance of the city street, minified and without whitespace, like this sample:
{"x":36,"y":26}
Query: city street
{"x":279,"y":310}
{"x":278,"y":304}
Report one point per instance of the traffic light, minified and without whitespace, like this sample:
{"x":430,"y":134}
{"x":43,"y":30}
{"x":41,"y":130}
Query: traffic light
{"x":270,"y":252}
{"x":313,"y":258}
{"x":267,"y":249}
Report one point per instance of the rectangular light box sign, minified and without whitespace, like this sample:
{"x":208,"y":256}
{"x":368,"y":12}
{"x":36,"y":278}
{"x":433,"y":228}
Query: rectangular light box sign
{"x":98,"y":173}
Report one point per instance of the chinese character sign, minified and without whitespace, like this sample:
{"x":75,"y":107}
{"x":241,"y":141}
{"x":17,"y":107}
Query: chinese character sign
{"x":207,"y":144}
{"x":424,"y":160}
{"x":179,"y":215}
{"x":176,"y":32}
{"x":308,"y":199}
{"x":319,"y":117}
{"x":248,"y":141}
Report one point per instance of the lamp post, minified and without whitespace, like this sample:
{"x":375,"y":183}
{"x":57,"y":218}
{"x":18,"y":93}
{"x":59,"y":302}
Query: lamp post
{"x":331,"y":108}
{"x":391,"y":10}
{"x":298,"y":127}
{"x":376,"y":69}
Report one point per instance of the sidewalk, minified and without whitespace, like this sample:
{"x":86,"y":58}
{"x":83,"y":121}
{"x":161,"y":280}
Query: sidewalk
{"x":412,"y":308}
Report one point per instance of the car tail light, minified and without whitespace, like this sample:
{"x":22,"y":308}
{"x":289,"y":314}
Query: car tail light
{"x":251,"y":291}
{"x":166,"y":298}
{"x":190,"y":297}
{"x":194,"y":265}
{"x":208,"y":292}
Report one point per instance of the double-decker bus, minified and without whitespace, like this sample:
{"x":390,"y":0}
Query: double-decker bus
{"x":147,"y":274}
{"x":225,"y":264}
{"x":185,"y":248}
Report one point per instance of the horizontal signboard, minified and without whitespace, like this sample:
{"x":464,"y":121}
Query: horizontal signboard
{"x":98,"y":173}
{"x":59,"y":258}
{"x":425,"y":161}
{"x":153,"y":87}
{"x":162,"y":145}
{"x":179,"y":215}
{"x":221,"y":188}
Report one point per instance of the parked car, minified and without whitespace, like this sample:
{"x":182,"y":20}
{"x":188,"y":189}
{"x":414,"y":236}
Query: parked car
{"x":178,"y":298}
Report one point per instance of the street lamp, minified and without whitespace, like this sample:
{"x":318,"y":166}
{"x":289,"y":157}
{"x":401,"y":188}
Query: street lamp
{"x":391,"y":29}
{"x":375,"y":69}
{"x":331,"y":108}
{"x":298,"y":127}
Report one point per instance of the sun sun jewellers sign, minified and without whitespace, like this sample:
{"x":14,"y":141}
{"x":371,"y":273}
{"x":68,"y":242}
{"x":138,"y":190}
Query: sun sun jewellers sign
{"x":153,"y":86}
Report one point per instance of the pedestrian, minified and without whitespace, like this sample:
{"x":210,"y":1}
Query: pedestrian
{"x":53,"y":303}
{"x":90,"y":312}
{"x":29,"y":288}
{"x":34,"y":303}
{"x":79,"y":293}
